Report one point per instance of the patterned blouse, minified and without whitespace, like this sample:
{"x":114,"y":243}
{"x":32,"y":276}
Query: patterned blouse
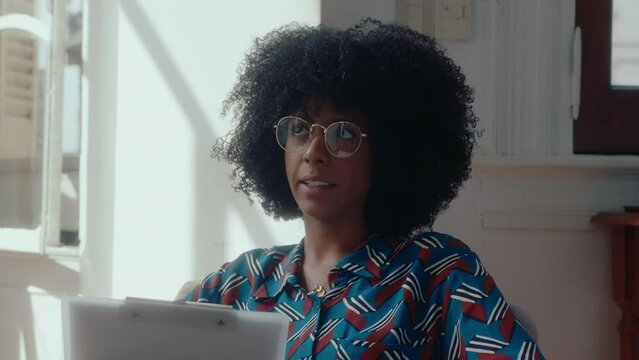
{"x":426,"y":297}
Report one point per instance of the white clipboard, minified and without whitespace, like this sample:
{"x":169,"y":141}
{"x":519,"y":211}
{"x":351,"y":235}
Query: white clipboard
{"x":134,"y":328}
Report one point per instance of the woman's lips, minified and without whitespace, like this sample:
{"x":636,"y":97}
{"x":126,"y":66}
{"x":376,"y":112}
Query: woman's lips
{"x":316,"y":187}
{"x":316,"y":183}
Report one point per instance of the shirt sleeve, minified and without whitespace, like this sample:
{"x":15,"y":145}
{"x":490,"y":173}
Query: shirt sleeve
{"x":478,"y":322}
{"x":209,"y":289}
{"x":232,"y":284}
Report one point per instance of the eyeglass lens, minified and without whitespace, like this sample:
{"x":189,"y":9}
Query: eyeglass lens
{"x":342,"y":138}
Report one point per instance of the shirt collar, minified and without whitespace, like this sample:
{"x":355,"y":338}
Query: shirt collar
{"x":285,"y":272}
{"x":367,"y":260}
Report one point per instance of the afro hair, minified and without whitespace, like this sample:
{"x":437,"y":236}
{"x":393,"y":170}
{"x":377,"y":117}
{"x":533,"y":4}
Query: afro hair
{"x":414,"y":98}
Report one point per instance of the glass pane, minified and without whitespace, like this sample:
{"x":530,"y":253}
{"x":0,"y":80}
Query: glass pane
{"x":24,"y":112}
{"x":24,"y":62}
{"x":24,"y":69}
{"x":71,"y":126}
{"x":625,"y":43}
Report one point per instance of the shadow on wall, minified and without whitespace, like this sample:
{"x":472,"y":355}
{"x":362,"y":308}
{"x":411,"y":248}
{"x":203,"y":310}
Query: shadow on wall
{"x":210,"y":211}
{"x":21,"y":279}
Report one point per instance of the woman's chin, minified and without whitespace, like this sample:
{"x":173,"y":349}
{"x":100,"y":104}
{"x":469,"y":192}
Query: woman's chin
{"x":320,"y":213}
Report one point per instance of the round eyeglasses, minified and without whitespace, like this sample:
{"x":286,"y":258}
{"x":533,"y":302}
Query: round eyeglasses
{"x":342,"y":138}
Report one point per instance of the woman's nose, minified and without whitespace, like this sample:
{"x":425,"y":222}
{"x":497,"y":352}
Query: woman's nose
{"x":316,"y":150}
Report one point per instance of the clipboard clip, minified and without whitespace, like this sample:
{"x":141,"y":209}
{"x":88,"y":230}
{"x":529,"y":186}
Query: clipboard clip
{"x":177,"y":313}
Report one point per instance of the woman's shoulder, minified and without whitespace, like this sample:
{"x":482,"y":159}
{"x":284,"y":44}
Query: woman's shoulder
{"x":439,"y":243}
{"x":275,"y":253}
{"x":246,"y":272}
{"x":436,"y":252}
{"x":260,"y":258}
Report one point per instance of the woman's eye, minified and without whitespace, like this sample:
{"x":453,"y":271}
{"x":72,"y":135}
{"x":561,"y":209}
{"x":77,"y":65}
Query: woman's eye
{"x":346,"y":134}
{"x":299,"y":129}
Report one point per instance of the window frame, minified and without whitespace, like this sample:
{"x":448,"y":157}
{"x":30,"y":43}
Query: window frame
{"x":607,"y":115}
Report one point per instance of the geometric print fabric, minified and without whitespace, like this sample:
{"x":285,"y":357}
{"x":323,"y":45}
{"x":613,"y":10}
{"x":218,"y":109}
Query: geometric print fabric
{"x":424,"y":297}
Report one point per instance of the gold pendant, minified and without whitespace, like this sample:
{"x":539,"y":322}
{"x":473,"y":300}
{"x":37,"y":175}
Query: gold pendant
{"x":319,"y":290}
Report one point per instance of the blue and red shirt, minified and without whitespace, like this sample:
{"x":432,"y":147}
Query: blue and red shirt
{"x":425,"y":297}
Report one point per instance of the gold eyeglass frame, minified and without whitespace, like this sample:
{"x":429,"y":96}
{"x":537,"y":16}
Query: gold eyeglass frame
{"x":324,"y":128}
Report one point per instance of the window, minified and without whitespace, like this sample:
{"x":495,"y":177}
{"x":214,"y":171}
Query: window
{"x":40,"y":77}
{"x":608,"y":121}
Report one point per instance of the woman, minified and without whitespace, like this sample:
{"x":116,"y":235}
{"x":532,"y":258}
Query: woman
{"x":366,"y":134}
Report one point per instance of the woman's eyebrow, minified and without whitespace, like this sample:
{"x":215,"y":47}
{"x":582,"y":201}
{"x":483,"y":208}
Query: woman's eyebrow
{"x":303,"y":113}
{"x":342,"y":118}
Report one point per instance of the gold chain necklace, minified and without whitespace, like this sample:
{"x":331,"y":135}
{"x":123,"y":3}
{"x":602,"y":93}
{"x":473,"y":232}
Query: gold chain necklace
{"x":319,"y":290}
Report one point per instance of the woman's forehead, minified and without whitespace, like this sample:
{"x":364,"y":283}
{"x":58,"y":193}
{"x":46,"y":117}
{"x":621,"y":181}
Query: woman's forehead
{"x":318,"y":107}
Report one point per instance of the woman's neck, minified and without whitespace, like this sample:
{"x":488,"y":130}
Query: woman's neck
{"x":327,"y":243}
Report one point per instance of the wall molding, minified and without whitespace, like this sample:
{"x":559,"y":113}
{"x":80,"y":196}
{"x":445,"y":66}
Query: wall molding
{"x":537,"y":220}
{"x":582,"y":167}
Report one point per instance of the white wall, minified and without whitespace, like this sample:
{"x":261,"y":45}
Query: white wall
{"x":30,"y":314}
{"x":530,"y":226}
{"x":175,"y":215}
